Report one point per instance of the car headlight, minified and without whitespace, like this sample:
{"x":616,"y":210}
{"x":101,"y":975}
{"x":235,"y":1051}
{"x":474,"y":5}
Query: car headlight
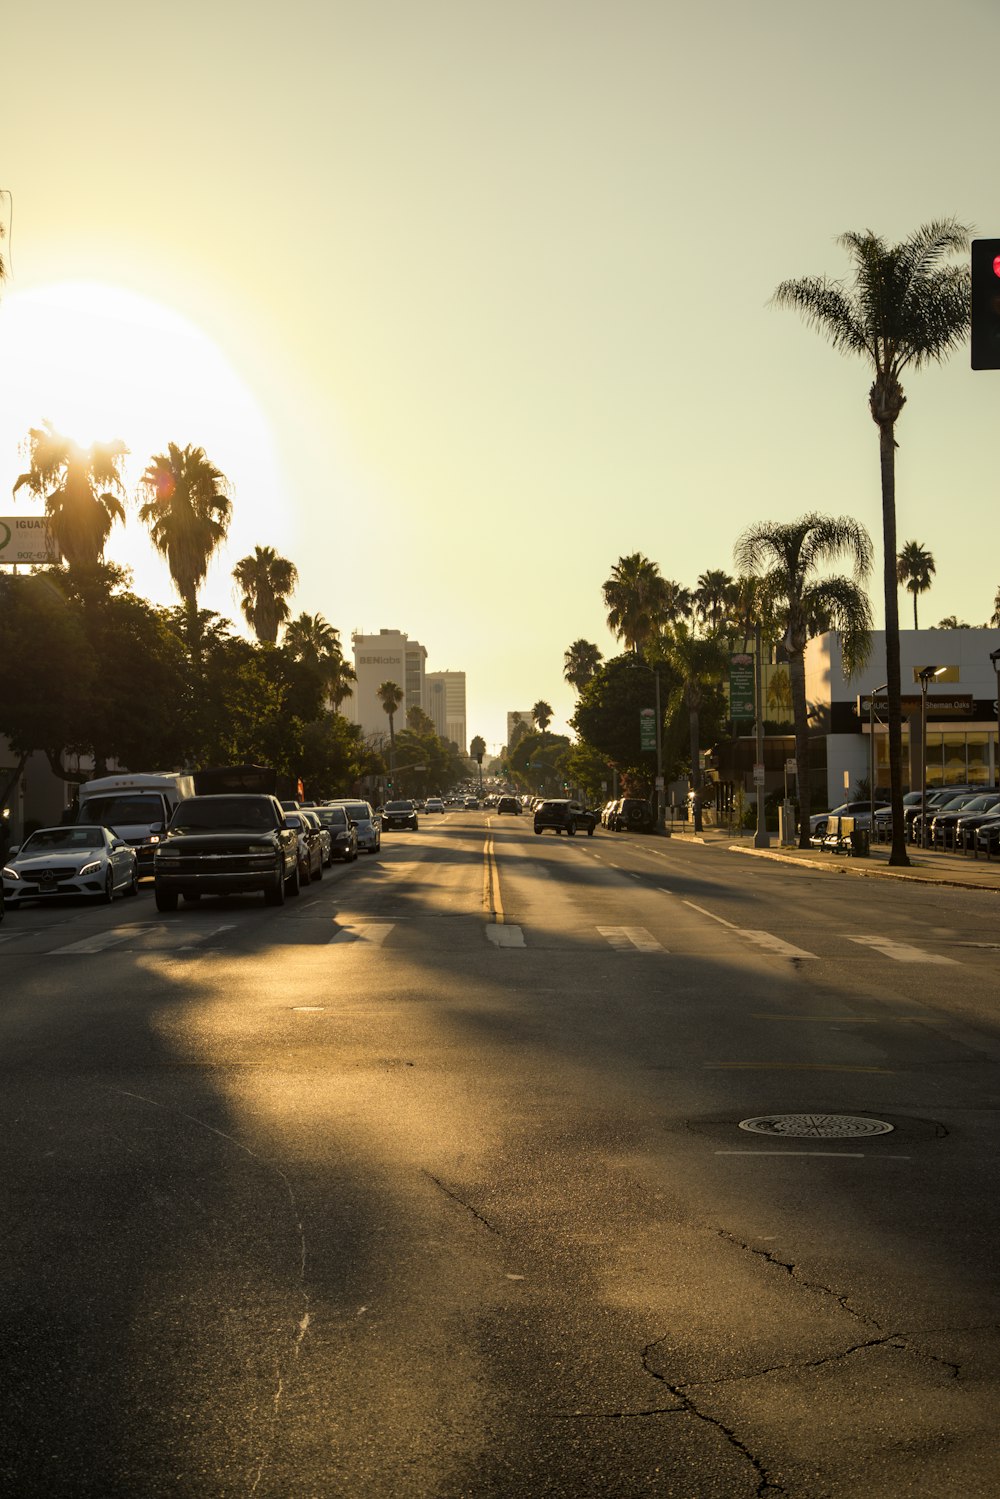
{"x":10,"y":874}
{"x":92,"y":868}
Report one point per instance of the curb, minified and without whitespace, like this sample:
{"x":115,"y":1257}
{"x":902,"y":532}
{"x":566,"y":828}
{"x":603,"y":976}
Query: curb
{"x":869,"y":873}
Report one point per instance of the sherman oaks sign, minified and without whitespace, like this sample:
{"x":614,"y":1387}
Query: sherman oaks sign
{"x":26,"y":538}
{"x":939,"y":705}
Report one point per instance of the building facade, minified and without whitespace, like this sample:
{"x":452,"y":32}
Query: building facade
{"x":444,"y":704}
{"x":389,"y":656}
{"x":961,"y":710}
{"x":519,"y":716}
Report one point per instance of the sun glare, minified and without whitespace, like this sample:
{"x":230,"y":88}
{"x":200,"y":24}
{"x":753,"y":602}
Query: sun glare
{"x":102,"y":364}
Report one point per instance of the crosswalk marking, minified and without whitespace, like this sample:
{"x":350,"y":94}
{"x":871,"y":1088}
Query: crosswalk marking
{"x":901,"y":952}
{"x":373,"y":933}
{"x":630,"y":939}
{"x":100,"y":940}
{"x":769,"y":943}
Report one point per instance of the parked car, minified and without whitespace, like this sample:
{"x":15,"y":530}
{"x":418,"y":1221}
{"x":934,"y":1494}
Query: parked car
{"x":945,"y":801}
{"x":564,"y":816}
{"x":508,"y":804}
{"x":85,"y":859}
{"x":969,"y":824}
{"x":367,"y":824}
{"x":130,"y":805}
{"x":400,"y":814}
{"x":343,"y":833}
{"x":860,"y":811}
{"x":631,"y":814}
{"x":310,"y":813}
{"x":310,"y":846}
{"x":943,"y":824}
{"x":225,"y":845}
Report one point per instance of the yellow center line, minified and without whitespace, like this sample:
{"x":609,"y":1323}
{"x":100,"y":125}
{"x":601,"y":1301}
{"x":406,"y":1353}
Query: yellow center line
{"x":492,"y":900}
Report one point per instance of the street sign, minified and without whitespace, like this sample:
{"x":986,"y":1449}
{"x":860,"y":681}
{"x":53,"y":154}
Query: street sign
{"x":789,"y":767}
{"x":741,"y":685}
{"x":26,"y":538}
{"x":759,"y":775}
{"x":659,"y":783}
{"x":647,"y":729}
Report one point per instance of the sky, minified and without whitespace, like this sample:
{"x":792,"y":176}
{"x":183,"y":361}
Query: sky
{"x":468,"y":300}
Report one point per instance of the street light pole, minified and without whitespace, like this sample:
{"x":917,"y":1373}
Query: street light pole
{"x":761,"y":838}
{"x":871,"y":757}
{"x":924,"y":676}
{"x":995,"y":658}
{"x":659,"y":756}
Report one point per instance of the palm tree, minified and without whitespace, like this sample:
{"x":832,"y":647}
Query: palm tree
{"x":390,"y":695}
{"x":700,"y":662}
{"x":312,"y":639}
{"x":477,"y":749}
{"x":187,"y":510}
{"x":71,"y":480}
{"x":915,"y":567}
{"x":712,"y":597}
{"x":906,"y":308}
{"x":995,"y":616}
{"x":635,"y":597}
{"x":788,"y":556}
{"x":678,"y":602}
{"x":542,"y":714}
{"x":266,"y":580}
{"x":580,"y":663}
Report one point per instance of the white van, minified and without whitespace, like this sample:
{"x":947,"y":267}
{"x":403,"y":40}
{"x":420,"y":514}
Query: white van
{"x":133,"y":804}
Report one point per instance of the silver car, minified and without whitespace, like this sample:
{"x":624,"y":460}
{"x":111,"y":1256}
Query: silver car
{"x":367,"y":825}
{"x":85,"y":860}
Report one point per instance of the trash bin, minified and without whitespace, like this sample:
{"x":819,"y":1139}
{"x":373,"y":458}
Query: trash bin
{"x":859,"y":843}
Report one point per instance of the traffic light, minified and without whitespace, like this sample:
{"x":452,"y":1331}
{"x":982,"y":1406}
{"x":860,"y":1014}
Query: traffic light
{"x":986,"y":304}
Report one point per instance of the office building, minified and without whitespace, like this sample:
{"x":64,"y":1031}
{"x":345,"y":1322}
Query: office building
{"x":444,"y":704}
{"x":389,"y":656}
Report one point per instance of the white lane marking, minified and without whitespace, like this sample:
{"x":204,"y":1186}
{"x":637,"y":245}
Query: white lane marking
{"x":770,"y":943}
{"x":844,"y":1155}
{"x":373,"y":933}
{"x":720,"y":919}
{"x":505,"y":936}
{"x":100,"y":940}
{"x":199,"y":941}
{"x":901,"y":952}
{"x":764,"y":940}
{"x":630,"y":939}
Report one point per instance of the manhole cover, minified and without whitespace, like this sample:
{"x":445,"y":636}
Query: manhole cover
{"x":815,"y":1126}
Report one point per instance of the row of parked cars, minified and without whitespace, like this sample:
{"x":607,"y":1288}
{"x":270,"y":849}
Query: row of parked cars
{"x":957,"y":817}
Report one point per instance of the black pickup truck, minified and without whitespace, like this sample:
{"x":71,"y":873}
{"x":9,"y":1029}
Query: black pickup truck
{"x":225,"y":845}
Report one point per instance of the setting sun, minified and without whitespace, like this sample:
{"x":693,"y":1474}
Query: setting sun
{"x":103,"y":364}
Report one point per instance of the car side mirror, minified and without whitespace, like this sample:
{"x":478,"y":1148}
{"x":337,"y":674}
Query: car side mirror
{"x":288,"y":823}
{"x":158,"y":827}
{"x":14,"y":849}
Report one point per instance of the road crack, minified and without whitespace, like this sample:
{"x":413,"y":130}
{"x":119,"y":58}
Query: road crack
{"x":461,"y":1202}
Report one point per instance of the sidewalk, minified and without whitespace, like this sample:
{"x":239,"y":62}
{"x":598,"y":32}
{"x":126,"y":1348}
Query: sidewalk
{"x":927,"y":867}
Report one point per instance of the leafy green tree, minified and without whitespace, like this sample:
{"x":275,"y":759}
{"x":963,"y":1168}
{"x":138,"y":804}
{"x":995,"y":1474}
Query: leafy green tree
{"x":788,"y":555}
{"x":538,"y":761}
{"x":635,"y":596}
{"x":608,"y":712}
{"x":419,"y":721}
{"x":333,"y":756}
{"x":80,"y":487}
{"x":580,"y":662}
{"x":266,"y":580}
{"x":915,"y":569}
{"x":311,"y":638}
{"x":907,"y":308}
{"x":699,"y":664}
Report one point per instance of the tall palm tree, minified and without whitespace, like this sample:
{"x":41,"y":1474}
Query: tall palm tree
{"x":266,"y":580}
{"x":80,"y":487}
{"x":390,"y":695}
{"x":700,"y":662}
{"x":580,"y":663}
{"x":712,"y":597}
{"x":789,"y":555}
{"x":678,"y":602}
{"x":915,"y":567}
{"x":187,"y":510}
{"x":635,"y":598}
{"x":906,"y":308}
{"x":313,"y":639}
{"x":542,"y":714}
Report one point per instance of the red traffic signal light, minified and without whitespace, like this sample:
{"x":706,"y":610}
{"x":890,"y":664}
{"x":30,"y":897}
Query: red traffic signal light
{"x":986,"y":304}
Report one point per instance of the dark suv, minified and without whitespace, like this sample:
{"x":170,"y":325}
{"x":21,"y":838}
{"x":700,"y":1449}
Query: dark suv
{"x":564,"y":817}
{"x":633,"y":814}
{"x":225,"y":845}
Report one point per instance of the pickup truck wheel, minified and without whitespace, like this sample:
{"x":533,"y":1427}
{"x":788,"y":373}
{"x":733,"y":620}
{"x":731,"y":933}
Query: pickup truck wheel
{"x":590,"y":831}
{"x":274,"y":895}
{"x":571,"y":830}
{"x":166,"y":900}
{"x":291,"y":885}
{"x":192,"y":897}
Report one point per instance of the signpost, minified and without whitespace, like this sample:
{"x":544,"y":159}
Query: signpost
{"x":741,"y":685}
{"x":647,"y":729}
{"x":26,"y":538}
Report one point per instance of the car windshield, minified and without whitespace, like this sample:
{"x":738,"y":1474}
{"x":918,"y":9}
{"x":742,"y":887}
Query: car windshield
{"x":109,"y":810}
{"x":65,"y":840}
{"x":332,"y":817}
{"x":358,"y":811}
{"x":245,"y":814}
{"x":399,"y":806}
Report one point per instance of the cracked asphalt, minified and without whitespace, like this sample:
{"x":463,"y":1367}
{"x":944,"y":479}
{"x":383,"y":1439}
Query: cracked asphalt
{"x":366,"y":1196}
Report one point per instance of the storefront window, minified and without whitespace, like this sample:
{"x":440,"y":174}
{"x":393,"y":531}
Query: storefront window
{"x":979,"y":759}
{"x":955,"y":770}
{"x":936,"y":769}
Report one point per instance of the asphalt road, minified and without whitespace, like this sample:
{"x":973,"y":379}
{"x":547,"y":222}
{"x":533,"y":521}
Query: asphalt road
{"x":432,"y":1182}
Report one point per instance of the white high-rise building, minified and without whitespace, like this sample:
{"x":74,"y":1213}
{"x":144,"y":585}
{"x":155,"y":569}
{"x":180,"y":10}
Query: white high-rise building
{"x":389,"y":656}
{"x":444,"y":704}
